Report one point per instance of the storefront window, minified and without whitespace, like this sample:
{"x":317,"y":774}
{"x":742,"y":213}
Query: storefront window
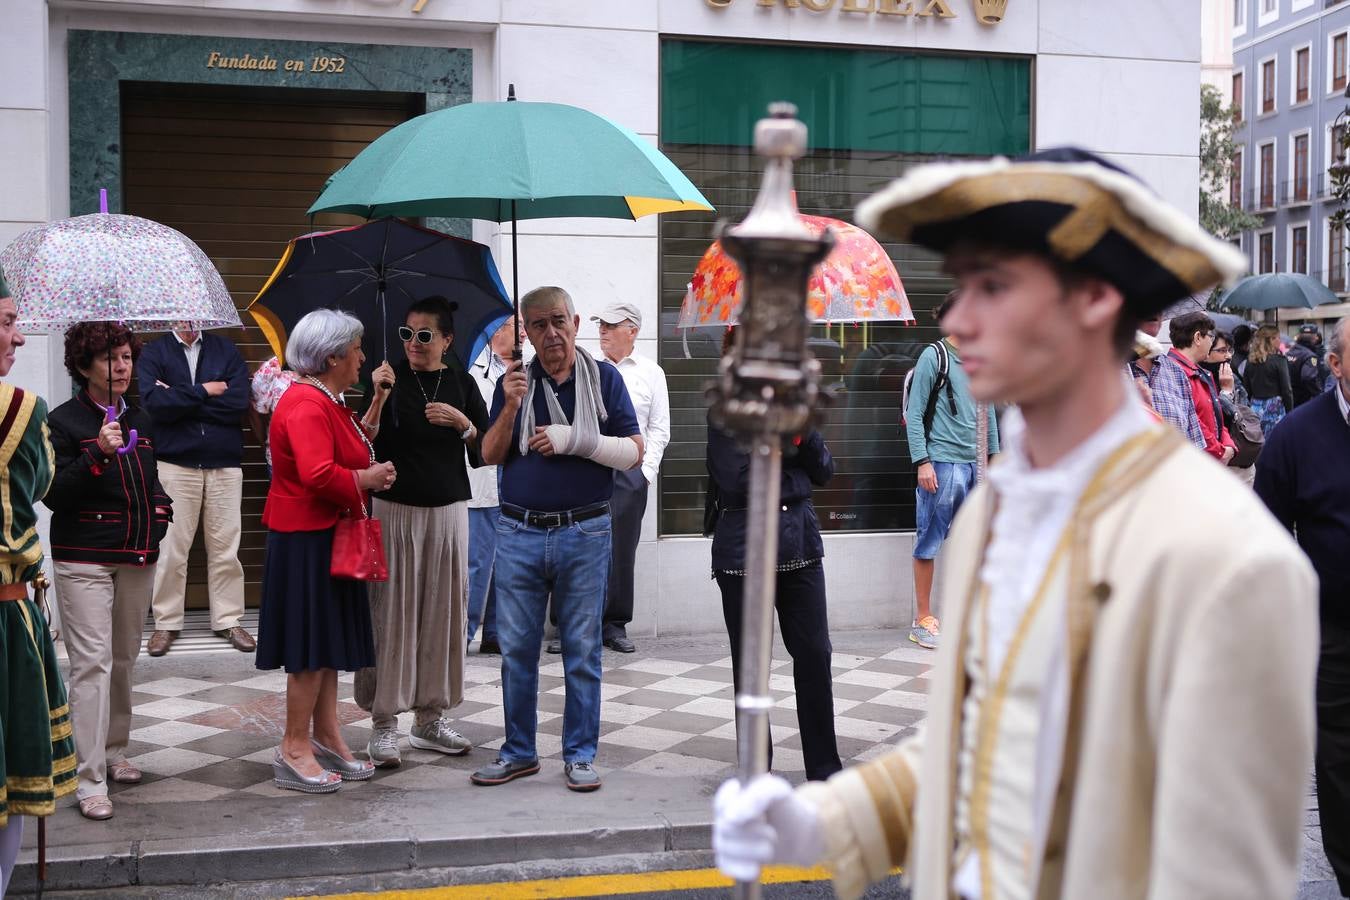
{"x":872,"y":115}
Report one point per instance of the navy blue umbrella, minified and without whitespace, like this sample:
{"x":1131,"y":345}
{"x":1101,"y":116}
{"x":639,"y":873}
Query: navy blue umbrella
{"x":376,"y":271}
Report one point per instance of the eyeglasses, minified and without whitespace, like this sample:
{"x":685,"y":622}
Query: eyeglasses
{"x":423,"y":335}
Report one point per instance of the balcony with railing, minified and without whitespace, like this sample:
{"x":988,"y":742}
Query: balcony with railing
{"x":1260,"y":200}
{"x":1297,"y":192}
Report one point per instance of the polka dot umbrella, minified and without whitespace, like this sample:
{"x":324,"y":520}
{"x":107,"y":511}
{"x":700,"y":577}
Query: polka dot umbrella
{"x":114,"y":268}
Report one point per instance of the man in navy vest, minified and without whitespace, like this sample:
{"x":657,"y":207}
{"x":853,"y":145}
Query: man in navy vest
{"x":1303,"y":475}
{"x":196,"y":388}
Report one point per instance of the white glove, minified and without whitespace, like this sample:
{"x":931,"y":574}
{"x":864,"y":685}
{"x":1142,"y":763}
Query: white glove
{"x":762,"y":823}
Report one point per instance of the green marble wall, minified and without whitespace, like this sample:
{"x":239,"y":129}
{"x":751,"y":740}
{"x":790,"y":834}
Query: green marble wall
{"x":99,"y":60}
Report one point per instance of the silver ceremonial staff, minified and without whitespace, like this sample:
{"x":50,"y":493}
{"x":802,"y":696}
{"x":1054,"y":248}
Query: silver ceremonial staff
{"x":767,"y":389}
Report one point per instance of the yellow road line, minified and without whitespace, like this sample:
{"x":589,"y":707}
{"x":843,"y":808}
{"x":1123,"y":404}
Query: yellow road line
{"x":588,"y":886}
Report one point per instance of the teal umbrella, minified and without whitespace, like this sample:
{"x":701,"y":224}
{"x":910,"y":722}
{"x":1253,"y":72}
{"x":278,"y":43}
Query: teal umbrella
{"x":506,"y":161}
{"x":1278,"y":290}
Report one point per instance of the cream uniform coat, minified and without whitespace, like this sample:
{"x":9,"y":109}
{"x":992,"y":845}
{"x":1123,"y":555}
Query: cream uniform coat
{"x":1191,"y":648}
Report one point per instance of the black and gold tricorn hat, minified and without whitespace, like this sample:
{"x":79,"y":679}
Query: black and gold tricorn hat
{"x":1065,"y":203}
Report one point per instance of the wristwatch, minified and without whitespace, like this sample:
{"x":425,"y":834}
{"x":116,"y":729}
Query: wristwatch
{"x":467,"y":432}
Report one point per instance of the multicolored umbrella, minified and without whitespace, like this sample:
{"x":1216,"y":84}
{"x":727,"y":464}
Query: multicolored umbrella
{"x":114,"y":268}
{"x":857,"y":282}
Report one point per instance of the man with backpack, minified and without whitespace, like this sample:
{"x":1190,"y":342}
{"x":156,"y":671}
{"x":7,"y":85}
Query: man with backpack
{"x":939,"y":417}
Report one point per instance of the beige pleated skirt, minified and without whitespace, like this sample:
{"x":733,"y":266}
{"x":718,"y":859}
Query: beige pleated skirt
{"x":419,"y":613}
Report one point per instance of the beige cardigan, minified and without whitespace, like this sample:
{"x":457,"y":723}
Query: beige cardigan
{"x":1193,"y":651}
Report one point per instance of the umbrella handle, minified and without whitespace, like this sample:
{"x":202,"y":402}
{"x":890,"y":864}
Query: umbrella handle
{"x":132,"y":437}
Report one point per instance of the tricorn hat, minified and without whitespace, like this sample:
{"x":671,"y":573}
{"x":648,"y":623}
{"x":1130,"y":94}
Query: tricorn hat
{"x":1066,"y":203}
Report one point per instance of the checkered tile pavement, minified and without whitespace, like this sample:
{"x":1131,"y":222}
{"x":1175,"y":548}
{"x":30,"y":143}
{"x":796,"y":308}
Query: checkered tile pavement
{"x":209,"y":730}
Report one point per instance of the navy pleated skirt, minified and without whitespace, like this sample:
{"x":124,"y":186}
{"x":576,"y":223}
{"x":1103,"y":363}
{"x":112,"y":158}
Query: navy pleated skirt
{"x":310,"y":620}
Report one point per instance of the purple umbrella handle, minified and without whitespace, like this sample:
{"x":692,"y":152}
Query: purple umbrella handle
{"x":131,"y":434}
{"x":103,"y":200}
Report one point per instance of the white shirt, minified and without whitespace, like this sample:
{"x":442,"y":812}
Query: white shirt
{"x":193,"y":351}
{"x":646,"y":383}
{"x":1034,"y":506}
{"x":1342,"y":401}
{"x":486,"y":372}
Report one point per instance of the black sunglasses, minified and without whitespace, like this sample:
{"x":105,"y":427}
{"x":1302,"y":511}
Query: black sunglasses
{"x":423,"y":335}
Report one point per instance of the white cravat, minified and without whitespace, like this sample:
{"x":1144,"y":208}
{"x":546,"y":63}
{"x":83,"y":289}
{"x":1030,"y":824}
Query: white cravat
{"x":1033,"y":510}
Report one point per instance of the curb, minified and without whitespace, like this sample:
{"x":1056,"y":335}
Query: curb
{"x":183,"y":861}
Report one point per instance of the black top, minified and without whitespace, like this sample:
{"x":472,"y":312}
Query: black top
{"x":1269,"y":378}
{"x":429,"y":458}
{"x":1301,"y":480}
{"x":106,"y":510}
{"x":805,"y":464}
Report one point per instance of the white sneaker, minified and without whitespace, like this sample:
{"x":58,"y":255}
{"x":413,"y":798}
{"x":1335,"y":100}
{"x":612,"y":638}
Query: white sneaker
{"x":383,"y":748}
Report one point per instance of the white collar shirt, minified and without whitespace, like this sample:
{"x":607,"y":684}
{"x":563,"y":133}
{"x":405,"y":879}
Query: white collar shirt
{"x":646,"y":383}
{"x":486,"y":372}
{"x":1034,"y":506}
{"x":193,"y":351}
{"x":1342,"y":401}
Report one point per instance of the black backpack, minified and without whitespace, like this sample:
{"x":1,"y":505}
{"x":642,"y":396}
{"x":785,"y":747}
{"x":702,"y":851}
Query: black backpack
{"x":943,"y":381}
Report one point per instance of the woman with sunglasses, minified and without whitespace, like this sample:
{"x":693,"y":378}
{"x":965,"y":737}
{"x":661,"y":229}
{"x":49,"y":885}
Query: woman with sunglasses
{"x":427,"y":411}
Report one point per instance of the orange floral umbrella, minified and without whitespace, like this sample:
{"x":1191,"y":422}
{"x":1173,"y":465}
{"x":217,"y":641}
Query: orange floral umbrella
{"x":857,"y":282}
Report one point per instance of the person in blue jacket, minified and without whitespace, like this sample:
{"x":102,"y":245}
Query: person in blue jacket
{"x":195,"y":387}
{"x":799,"y":595}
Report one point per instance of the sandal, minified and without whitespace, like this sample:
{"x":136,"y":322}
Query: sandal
{"x":96,"y":807}
{"x":124,"y":772}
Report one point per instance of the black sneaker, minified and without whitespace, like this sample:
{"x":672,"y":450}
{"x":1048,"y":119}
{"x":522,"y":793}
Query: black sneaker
{"x":620,"y":643}
{"x":490,"y":646}
{"x":581,"y":776}
{"x":500,"y":771}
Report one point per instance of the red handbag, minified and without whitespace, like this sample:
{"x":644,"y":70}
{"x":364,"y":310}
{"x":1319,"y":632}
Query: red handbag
{"x":358,"y":548}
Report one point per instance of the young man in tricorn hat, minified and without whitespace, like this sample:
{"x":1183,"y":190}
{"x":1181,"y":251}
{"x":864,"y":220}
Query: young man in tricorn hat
{"x":1111,"y":715}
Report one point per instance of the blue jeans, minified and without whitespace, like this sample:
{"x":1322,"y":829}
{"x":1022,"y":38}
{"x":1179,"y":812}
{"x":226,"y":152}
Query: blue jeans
{"x":572,"y":563}
{"x":934,"y":512}
{"x":482,"y":586}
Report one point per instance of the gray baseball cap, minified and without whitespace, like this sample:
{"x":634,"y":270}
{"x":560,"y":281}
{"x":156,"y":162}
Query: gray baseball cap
{"x":618,"y":312}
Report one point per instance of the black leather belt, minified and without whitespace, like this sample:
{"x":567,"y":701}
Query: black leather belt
{"x":554,"y":519}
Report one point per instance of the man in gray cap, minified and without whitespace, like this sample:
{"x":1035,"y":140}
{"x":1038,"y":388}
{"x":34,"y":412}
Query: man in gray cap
{"x":646,"y":381}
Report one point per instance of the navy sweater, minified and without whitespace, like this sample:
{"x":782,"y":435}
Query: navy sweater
{"x":192,"y":428}
{"x":1303,"y":476}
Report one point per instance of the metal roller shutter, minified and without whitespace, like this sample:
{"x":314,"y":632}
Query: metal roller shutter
{"x":235,"y":169}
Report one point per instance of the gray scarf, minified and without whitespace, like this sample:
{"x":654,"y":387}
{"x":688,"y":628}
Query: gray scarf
{"x":588,"y":413}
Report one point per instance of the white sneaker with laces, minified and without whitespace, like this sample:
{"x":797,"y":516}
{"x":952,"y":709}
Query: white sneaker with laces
{"x":383,"y":748}
{"x":439,"y":736}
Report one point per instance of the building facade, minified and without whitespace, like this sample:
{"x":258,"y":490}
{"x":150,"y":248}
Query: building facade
{"x":1289,"y":90}
{"x":224,"y":118}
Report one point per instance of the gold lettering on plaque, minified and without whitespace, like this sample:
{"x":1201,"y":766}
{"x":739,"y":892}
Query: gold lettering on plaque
{"x":895,"y":7}
{"x":818,"y":5}
{"x":790,"y":4}
{"x":858,"y":6}
{"x":718,"y":4}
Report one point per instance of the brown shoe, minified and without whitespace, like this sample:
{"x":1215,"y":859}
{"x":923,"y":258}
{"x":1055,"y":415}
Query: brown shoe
{"x":239,"y":638}
{"x":159,"y":642}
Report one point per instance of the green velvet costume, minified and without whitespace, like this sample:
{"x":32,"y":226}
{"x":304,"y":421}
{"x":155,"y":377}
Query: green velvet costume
{"x":39,"y":752}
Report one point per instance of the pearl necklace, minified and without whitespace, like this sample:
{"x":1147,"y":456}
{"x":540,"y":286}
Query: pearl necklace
{"x":361,"y":432}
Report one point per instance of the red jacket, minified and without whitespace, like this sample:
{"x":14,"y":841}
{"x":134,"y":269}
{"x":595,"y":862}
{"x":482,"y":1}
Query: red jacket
{"x":316,"y":453}
{"x":1207,"y":409}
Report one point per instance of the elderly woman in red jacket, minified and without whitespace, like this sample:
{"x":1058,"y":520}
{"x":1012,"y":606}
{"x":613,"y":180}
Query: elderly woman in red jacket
{"x":311,"y":624}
